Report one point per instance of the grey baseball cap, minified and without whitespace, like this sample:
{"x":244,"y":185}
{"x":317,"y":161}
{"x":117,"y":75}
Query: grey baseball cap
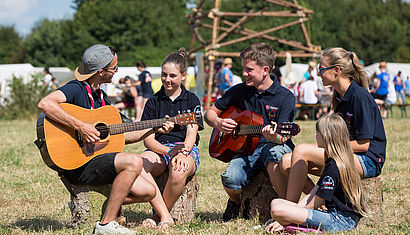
{"x":94,"y":58}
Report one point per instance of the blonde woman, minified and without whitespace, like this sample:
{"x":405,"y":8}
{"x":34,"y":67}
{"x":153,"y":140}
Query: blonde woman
{"x":342,"y":70}
{"x":338,"y":188}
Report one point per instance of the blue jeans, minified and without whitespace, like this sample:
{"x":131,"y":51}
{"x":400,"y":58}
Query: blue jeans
{"x":243,"y":168}
{"x":368,"y":166}
{"x":332,"y":221}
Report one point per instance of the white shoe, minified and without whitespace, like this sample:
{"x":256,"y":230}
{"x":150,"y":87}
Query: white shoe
{"x":112,"y":228}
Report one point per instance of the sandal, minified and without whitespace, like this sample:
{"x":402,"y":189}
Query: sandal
{"x":165,"y":225}
{"x":148,"y":223}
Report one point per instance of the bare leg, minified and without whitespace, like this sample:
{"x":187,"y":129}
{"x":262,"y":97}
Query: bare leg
{"x":128,"y":167}
{"x":138,"y":107}
{"x":285,"y":165}
{"x":154,"y":165}
{"x":141,"y":191}
{"x":306,"y":158}
{"x":176,"y":183}
{"x":278,"y":180}
{"x":286,"y":212}
{"x":234,"y":195}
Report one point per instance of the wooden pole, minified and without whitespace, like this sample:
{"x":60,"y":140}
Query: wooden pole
{"x":210,"y":54}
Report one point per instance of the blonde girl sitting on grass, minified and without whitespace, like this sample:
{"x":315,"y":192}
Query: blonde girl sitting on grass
{"x":339,"y":186}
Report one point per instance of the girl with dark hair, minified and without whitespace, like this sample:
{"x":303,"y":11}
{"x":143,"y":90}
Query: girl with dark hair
{"x":171,"y":100}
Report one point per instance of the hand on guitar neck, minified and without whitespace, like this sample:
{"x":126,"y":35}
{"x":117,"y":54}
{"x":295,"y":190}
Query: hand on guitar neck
{"x":269,"y":132}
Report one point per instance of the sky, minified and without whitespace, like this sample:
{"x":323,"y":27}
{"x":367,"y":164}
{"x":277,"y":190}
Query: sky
{"x":23,"y":14}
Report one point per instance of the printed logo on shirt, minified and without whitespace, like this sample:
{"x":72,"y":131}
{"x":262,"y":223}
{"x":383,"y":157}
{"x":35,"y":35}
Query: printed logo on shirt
{"x":349,"y":117}
{"x":148,"y":77}
{"x":197,"y":111}
{"x":328,"y":183}
{"x":272,"y":112}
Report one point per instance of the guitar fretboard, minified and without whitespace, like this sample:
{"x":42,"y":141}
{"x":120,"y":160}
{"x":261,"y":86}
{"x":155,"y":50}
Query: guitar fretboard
{"x":250,"y":129}
{"x":135,"y":126}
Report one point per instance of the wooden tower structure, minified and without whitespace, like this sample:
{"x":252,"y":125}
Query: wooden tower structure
{"x":222,"y":27}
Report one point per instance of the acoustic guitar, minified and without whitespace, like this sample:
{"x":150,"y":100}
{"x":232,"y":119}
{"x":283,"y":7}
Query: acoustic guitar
{"x":245,"y":137}
{"x":63,"y":148}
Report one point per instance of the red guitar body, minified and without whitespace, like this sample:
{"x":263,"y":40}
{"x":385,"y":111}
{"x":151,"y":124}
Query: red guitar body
{"x":224,"y":146}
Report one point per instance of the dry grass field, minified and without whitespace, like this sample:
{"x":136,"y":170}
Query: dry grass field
{"x":34,"y":201}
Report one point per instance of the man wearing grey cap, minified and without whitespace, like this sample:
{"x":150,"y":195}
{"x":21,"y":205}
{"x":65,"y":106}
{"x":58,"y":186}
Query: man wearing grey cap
{"x":122,"y":170}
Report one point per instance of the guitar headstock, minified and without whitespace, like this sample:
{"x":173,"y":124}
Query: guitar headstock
{"x":288,"y":129}
{"x":185,"y":119}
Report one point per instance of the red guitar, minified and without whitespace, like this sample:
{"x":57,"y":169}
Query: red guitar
{"x":245,"y":137}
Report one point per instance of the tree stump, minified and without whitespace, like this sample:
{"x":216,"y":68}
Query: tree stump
{"x":373,"y":191}
{"x":80,"y":206}
{"x":184,"y":208}
{"x":256,"y":198}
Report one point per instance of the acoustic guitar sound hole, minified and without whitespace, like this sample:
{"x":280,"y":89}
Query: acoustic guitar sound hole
{"x":103,"y":129}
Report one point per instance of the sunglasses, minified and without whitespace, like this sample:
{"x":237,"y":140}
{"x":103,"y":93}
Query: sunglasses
{"x":115,"y":68}
{"x":324,"y":69}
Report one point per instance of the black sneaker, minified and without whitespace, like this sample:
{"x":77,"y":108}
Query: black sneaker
{"x":231,"y":211}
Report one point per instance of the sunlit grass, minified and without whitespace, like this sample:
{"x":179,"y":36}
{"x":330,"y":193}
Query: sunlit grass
{"x":33,"y":200}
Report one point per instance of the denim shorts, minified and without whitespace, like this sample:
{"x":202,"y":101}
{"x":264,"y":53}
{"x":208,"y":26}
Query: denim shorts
{"x":243,"y":168}
{"x":332,"y":220}
{"x":369,"y":168}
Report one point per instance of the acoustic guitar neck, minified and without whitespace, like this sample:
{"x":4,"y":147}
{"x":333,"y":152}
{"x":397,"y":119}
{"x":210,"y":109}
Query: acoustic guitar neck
{"x":135,"y":126}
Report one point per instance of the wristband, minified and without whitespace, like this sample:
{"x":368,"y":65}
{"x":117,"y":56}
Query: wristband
{"x":277,"y":140}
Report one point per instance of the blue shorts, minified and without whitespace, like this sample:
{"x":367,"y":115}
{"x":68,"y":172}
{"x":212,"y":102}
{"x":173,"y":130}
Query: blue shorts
{"x":332,"y":220}
{"x":243,"y":168}
{"x":368,"y":166}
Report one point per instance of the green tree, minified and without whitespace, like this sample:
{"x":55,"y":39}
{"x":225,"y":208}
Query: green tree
{"x":44,"y":45}
{"x":10,"y":45}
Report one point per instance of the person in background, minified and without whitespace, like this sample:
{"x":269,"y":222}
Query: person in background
{"x":399,"y":88}
{"x":407,"y":86}
{"x":278,"y":75}
{"x":226,"y":76}
{"x":145,"y":80}
{"x":129,"y":95}
{"x":47,"y":77}
{"x":55,"y":84}
{"x":381,"y":88}
{"x":339,"y":186}
{"x":308,"y":93}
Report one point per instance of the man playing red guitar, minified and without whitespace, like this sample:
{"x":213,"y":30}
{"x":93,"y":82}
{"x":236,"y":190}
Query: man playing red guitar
{"x":263,"y":95}
{"x":122,"y":170}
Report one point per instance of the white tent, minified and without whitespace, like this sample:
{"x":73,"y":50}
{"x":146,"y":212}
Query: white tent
{"x":392,"y":69}
{"x":26,"y":71}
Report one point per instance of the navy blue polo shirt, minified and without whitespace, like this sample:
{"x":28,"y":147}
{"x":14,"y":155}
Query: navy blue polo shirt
{"x":76,"y":93}
{"x":276,"y":103}
{"x":363,"y":119}
{"x":160,"y":105}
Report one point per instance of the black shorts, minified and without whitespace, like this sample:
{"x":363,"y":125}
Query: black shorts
{"x":380,"y":97}
{"x":99,"y":171}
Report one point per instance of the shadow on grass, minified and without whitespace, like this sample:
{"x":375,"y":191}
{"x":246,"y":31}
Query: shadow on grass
{"x":209,"y":216}
{"x":39,"y":224}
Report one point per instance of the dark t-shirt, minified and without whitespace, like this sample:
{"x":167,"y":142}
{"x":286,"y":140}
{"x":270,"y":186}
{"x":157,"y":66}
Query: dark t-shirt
{"x":160,"y":105}
{"x":145,"y":78}
{"x":330,"y":188}
{"x":76,"y":93}
{"x":275,"y":104}
{"x":363,"y":119}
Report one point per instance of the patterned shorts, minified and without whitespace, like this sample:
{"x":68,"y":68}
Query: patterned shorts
{"x":194,"y":154}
